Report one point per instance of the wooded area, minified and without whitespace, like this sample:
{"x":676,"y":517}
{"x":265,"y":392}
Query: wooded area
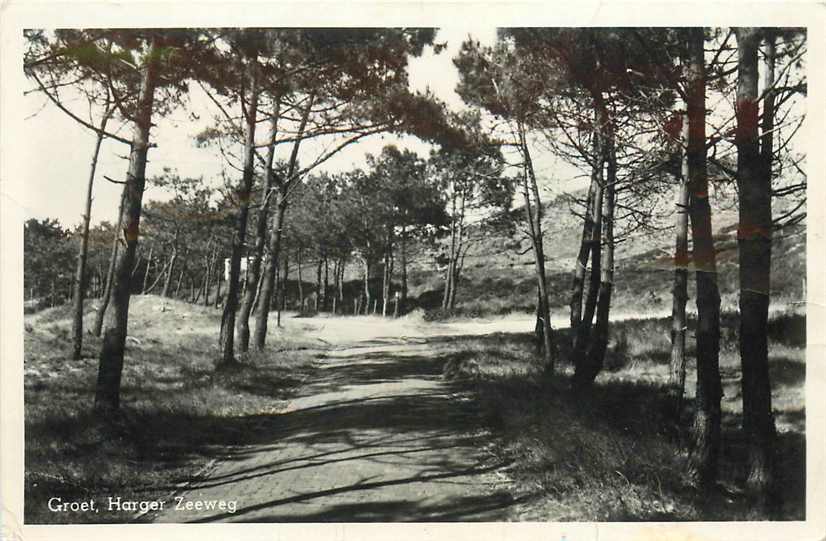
{"x":658,"y":121}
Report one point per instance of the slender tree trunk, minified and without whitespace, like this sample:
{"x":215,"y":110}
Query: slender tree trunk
{"x":754,"y":234}
{"x":326,"y":283}
{"x":578,"y":286}
{"x":226,"y":339}
{"x":254,"y":269}
{"x":180,"y":279}
{"x":210,"y":264}
{"x":268,"y":287}
{"x":679,"y":322}
{"x":582,"y":335}
{"x":599,"y":341}
{"x":534,"y":217}
{"x":449,"y":274}
{"x":107,"y":393}
{"x":300,"y":284}
{"x":110,"y":273}
{"x":220,"y":281}
{"x":148,"y":265}
{"x":704,"y":454}
{"x":317,"y":299}
{"x":80,"y":273}
{"x":285,"y":276}
{"x":167,"y":283}
{"x":403,"y":255}
{"x":366,"y":286}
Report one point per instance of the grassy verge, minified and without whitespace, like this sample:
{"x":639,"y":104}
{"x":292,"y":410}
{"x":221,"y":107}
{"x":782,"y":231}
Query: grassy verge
{"x":177,"y":413}
{"x":616,"y":454}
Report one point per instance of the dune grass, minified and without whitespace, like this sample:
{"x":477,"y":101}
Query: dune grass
{"x":616,"y":453}
{"x":177,"y":413}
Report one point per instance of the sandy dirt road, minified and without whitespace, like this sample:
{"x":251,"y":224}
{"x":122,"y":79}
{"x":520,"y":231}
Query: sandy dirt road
{"x":378,"y":435}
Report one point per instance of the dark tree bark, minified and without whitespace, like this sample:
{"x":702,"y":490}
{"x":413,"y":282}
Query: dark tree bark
{"x":595,"y":357}
{"x":282,"y":305}
{"x":366,"y":286}
{"x":754,"y":234}
{"x":107,"y":290}
{"x":107,"y":393}
{"x":580,"y":271}
{"x":80,"y":273}
{"x":403,"y":256}
{"x":582,"y":334}
{"x":318,"y":268}
{"x":254,"y":269}
{"x":533,"y":214}
{"x":679,"y":322}
{"x":226,"y":339}
{"x":268,"y":287}
{"x":704,"y":455}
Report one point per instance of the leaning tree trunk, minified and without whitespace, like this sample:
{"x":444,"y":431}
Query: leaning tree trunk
{"x":680,"y":289}
{"x":534,"y":217}
{"x":148,"y":265}
{"x":704,"y":455}
{"x":595,"y":358}
{"x":581,"y":269}
{"x":582,"y":333}
{"x":226,"y":338}
{"x":110,"y":273}
{"x":107,"y":392}
{"x":268,"y":288}
{"x":754,"y":234}
{"x":254,"y":269}
{"x":173,"y":259}
{"x":80,"y":273}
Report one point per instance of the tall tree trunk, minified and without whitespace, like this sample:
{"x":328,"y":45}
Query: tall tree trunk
{"x":180,"y":279}
{"x":449,"y":273}
{"x":148,"y":261}
{"x":80,"y":273}
{"x":221,"y":271}
{"x":107,"y":393}
{"x":704,"y":455}
{"x":110,"y":272}
{"x":254,"y":269}
{"x":458,"y":257}
{"x":580,"y":270}
{"x":268,"y":288}
{"x":679,"y":322}
{"x":283,"y":281}
{"x":317,"y":300}
{"x":534,"y":217}
{"x":403,"y":256}
{"x":300,"y":284}
{"x":595,"y":358}
{"x":226,"y":338}
{"x":754,"y":234}
{"x":326,"y":283}
{"x":167,"y":283}
{"x":210,"y":264}
{"x":582,"y":334}
{"x":366,"y":286}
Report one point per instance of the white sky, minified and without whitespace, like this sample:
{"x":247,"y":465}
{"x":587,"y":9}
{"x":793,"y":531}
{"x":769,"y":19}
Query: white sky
{"x":59,"y":150}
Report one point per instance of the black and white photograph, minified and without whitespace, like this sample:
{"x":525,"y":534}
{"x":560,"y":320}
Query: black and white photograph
{"x":482,"y":272}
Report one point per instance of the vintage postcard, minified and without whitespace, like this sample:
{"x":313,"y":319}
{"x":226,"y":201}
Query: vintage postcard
{"x":420,"y":270}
